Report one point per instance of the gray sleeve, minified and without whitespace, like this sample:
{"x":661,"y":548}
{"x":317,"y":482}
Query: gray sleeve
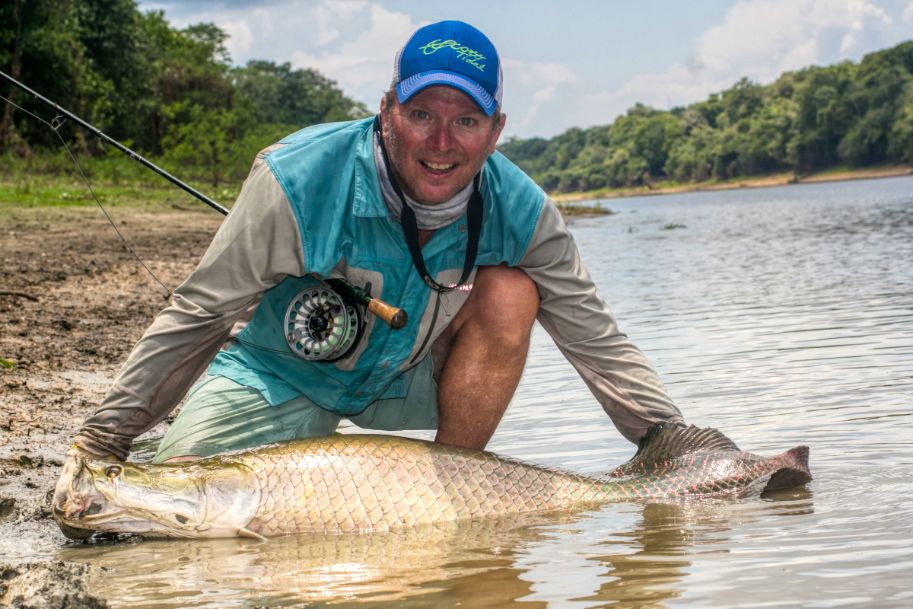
{"x":585,"y":331}
{"x":256,"y":247}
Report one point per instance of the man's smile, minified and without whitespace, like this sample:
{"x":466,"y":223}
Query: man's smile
{"x":438,"y":168}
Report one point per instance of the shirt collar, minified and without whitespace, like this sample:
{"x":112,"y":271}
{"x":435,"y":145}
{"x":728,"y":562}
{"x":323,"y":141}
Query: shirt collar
{"x":368,"y":201}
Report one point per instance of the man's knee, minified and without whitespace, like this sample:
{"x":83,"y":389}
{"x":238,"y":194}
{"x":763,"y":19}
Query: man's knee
{"x":504,"y":301}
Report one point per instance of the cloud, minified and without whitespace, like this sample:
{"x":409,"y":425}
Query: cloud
{"x":763,"y":38}
{"x":541,"y":82}
{"x":676,"y":85}
{"x":362,"y":64}
{"x":758,"y":39}
{"x":352,"y":42}
{"x":328,"y":15}
{"x":240,"y":37}
{"x":214,"y":4}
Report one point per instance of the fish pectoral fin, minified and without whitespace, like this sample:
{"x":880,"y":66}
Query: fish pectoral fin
{"x":245,"y":532}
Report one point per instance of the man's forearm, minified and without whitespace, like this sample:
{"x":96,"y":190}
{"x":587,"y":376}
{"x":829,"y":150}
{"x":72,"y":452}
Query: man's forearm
{"x":256,"y":246}
{"x":584,"y":329}
{"x":166,"y":361}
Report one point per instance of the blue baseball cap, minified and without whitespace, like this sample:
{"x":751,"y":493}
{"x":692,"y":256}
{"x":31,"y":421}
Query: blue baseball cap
{"x":450,"y":53}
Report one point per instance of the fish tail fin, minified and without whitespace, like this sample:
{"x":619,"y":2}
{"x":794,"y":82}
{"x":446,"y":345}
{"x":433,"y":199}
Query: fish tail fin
{"x":792,"y":469}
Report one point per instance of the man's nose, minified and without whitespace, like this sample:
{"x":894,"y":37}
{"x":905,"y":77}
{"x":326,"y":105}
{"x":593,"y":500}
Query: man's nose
{"x":441,"y":137}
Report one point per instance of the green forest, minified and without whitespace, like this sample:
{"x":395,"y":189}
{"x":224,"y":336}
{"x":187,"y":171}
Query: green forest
{"x":850,"y":114}
{"x":176,"y":96}
{"x":172,"y":94}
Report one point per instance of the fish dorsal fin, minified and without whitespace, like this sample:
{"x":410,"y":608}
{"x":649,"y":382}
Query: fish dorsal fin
{"x":667,"y":441}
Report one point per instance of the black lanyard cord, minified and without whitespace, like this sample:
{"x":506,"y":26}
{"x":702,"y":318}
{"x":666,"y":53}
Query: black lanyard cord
{"x":410,"y":225}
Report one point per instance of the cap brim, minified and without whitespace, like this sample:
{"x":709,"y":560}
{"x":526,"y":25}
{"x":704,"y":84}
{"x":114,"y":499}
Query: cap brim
{"x":412,"y":85}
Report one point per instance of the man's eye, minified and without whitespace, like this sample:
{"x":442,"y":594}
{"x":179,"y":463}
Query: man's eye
{"x":420,"y":115}
{"x":467,"y":122}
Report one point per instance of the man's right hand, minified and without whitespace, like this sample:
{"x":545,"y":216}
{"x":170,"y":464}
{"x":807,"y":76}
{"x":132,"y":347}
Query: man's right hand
{"x":71,"y":468}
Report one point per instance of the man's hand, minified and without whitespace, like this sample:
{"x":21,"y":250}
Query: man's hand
{"x":71,"y":468}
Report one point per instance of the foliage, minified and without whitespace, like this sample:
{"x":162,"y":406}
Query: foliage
{"x":853,"y":115}
{"x":173,"y":94}
{"x":165,"y":92}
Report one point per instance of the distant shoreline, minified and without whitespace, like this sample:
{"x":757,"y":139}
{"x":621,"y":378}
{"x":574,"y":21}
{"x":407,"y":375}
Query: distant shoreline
{"x":779,"y":179}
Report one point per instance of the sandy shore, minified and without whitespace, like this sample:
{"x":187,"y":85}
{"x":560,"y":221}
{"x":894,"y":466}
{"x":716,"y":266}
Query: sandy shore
{"x":780,"y":179}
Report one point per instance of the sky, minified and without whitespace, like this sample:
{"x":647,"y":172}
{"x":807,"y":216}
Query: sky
{"x":570,"y":63}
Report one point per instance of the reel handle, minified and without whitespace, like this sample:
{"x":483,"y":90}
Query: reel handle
{"x":395,"y":317}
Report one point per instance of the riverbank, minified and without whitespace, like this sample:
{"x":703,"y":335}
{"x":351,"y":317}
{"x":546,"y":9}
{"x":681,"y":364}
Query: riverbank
{"x":566,"y":200}
{"x":72,"y":303}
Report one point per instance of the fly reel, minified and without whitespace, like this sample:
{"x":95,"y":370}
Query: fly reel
{"x":321,"y":326}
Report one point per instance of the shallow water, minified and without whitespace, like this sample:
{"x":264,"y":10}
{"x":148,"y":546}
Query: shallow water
{"x":782,"y":316}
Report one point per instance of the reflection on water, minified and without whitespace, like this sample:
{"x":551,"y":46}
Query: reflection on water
{"x":629,"y":555}
{"x":782,"y":316}
{"x":474,"y":562}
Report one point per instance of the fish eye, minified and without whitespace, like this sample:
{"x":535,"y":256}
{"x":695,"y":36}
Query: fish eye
{"x":113,"y":471}
{"x":181,"y":519}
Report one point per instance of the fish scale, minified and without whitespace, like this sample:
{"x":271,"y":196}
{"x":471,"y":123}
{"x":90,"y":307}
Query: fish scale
{"x":360,"y":483}
{"x":377,"y":483}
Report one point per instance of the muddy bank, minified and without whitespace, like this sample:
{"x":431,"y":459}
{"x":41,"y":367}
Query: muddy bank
{"x":47,"y":585}
{"x":72,"y":303}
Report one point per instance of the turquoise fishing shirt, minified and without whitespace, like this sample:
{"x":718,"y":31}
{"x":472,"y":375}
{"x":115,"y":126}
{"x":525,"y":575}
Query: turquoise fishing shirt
{"x":329,"y":176}
{"x":312,"y":204}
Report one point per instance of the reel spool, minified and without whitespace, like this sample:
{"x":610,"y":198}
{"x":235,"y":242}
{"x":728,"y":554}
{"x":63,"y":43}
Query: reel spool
{"x":321,"y":326}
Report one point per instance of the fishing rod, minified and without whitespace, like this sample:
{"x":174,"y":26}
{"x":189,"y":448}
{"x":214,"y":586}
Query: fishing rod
{"x":130,"y":153}
{"x":395,"y":317}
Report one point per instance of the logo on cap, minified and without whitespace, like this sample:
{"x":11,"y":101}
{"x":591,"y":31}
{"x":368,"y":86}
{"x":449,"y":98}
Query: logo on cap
{"x":470,"y":56}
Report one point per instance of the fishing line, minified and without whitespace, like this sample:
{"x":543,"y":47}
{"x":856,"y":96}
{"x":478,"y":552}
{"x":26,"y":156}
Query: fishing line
{"x":316,"y":313}
{"x":54,"y":125}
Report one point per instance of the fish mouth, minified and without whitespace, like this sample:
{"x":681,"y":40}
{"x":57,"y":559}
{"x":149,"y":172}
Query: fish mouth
{"x":79,"y":518}
{"x":95,"y":513}
{"x":107,"y":518}
{"x":81,"y":522}
{"x":158,"y":500}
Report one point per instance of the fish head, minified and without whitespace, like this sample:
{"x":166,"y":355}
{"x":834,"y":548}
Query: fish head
{"x":209,"y":498}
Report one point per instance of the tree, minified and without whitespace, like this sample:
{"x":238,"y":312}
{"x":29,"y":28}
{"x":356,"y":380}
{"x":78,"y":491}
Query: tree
{"x":111,"y":35}
{"x":875,"y":94}
{"x":743,"y":100}
{"x":654,"y":135}
{"x":279,"y":94}
{"x":900,"y":138}
{"x":824,"y":114}
{"x":42,"y":49}
{"x":202,"y":139}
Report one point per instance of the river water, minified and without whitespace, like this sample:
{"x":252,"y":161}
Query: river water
{"x":782,"y":316}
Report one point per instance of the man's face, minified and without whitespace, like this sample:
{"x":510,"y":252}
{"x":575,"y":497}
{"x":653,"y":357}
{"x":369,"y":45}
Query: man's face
{"x":437,"y":141}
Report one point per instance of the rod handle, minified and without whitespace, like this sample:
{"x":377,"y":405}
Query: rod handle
{"x":396,"y":318}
